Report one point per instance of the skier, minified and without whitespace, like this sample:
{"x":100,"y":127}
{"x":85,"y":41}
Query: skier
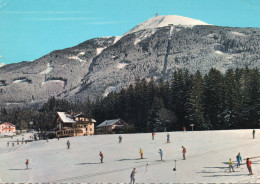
{"x":141,"y":153}
{"x":27,"y":163}
{"x":101,"y":157}
{"x":184,"y":152}
{"x":184,"y":129}
{"x":12,"y":144}
{"x":161,"y":153}
{"x":153,"y":134}
{"x":253,"y":133}
{"x":7,"y":144}
{"x":230,"y":165}
{"x":239,"y":159}
{"x":68,"y":144}
{"x":168,"y":138}
{"x":17,"y":142}
{"x":132,"y":176}
{"x":120,"y":138}
{"x":248,"y":164}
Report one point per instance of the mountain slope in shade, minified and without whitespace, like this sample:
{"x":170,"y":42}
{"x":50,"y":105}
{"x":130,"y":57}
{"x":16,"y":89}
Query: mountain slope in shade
{"x":162,"y":21}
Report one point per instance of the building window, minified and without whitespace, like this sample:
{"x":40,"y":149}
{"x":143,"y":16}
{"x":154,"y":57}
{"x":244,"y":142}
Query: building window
{"x":90,"y":129}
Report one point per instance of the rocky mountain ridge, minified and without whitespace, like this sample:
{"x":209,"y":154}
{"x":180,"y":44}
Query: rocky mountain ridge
{"x":101,"y":65}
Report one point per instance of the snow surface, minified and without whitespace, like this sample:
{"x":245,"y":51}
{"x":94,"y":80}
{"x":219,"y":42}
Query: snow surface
{"x":52,"y":81}
{"x":65,"y":118}
{"x":2,"y":64}
{"x":121,"y":65}
{"x":99,"y":50}
{"x":108,"y":90}
{"x":238,"y":34}
{"x":162,"y":21}
{"x":48,"y":69}
{"x":207,"y":155}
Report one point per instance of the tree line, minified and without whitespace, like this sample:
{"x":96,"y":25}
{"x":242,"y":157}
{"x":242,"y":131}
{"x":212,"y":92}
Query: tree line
{"x":211,"y":102}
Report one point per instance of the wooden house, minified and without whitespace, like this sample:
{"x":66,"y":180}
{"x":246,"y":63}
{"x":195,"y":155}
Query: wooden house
{"x":68,"y":125}
{"x":111,"y":126}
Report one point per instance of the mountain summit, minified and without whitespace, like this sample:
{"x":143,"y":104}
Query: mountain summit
{"x":166,"y":20}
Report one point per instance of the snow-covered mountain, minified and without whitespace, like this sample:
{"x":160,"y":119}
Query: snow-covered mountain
{"x":162,"y":21}
{"x":208,"y":153}
{"x":1,"y":64}
{"x":155,"y":48}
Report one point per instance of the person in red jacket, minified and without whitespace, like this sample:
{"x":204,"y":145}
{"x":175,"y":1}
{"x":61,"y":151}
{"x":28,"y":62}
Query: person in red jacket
{"x":27,"y":163}
{"x":153,"y":134}
{"x":101,"y":156}
{"x":248,"y":164}
{"x":183,"y":152}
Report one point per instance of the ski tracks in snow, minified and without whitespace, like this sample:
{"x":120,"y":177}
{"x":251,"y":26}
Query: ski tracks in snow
{"x":150,"y":164}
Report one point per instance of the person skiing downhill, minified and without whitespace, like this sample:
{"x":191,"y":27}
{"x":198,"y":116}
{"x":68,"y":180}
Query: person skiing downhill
{"x":27,"y":163}
{"x":248,"y":164}
{"x":184,"y":152}
{"x":101,"y":157}
{"x":239,"y":159}
{"x":132,"y":176}
{"x":230,"y":164}
{"x":68,"y":144}
{"x":161,"y":153}
{"x":141,"y":153}
{"x":120,"y":138}
{"x":153,"y":134}
{"x":168,"y":138}
{"x":253,"y":133}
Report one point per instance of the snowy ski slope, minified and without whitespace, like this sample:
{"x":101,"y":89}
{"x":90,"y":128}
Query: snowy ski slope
{"x":207,"y":155}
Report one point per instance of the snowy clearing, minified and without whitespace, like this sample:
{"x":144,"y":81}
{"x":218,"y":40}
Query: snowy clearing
{"x":238,"y":34}
{"x":109,"y":90}
{"x":99,"y":50}
{"x":121,"y":65}
{"x":48,"y":69}
{"x":21,"y":81}
{"x":53,"y":81}
{"x":207,"y":155}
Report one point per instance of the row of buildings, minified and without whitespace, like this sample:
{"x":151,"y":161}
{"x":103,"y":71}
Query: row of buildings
{"x":69,"y":125}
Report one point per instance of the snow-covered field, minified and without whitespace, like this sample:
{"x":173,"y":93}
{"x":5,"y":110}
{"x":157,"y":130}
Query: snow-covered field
{"x":207,"y":155}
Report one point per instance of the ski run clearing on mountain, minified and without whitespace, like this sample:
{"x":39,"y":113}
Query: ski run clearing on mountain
{"x":208,"y":153}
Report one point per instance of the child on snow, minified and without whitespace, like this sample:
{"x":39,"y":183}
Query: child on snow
{"x":141,"y":153}
{"x":230,"y":165}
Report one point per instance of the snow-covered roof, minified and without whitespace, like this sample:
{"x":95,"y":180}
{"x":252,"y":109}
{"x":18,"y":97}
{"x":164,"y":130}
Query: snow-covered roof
{"x":65,"y":117}
{"x":10,"y":124}
{"x":108,"y":123}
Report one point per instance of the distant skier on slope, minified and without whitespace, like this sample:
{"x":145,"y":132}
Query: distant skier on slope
{"x":184,"y":152}
{"x":161,"y":153}
{"x":239,"y":159}
{"x":184,"y":129}
{"x":7,"y":144}
{"x":168,"y":138}
{"x":120,"y":138}
{"x":248,"y":164}
{"x":230,"y":165}
{"x":27,"y":163}
{"x":132,"y":176}
{"x":101,"y":157}
{"x":153,"y":134}
{"x":253,"y":133}
{"x":68,"y":144}
{"x":141,"y":153}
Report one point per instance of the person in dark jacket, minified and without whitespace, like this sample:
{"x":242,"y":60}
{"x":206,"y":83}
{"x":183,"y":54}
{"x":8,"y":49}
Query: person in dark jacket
{"x":68,"y":144}
{"x":184,"y":152}
{"x":132,"y":176}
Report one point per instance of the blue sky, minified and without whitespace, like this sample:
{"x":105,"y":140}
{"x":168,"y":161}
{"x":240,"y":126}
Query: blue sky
{"x":30,"y":29}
